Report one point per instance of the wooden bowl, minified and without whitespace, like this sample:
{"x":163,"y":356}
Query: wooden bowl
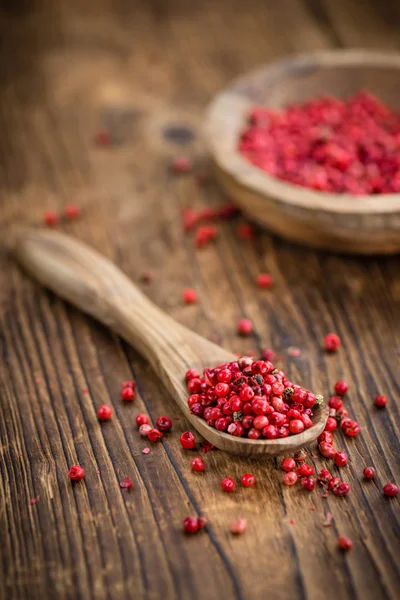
{"x":338,"y":222}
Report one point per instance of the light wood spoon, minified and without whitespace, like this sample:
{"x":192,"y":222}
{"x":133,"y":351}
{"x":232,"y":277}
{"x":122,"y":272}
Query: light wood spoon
{"x":92,"y":283}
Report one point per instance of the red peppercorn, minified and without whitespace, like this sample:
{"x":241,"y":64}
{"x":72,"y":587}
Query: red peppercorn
{"x":341,"y":459}
{"x":154,"y":435}
{"x":305,"y":469}
{"x":268,"y":354}
{"x":51,"y":217}
{"x":369,"y":472}
{"x":238,"y":527}
{"x":228,"y":484}
{"x":326,"y":436}
{"x":187,"y":440}
{"x":342,"y":489}
{"x":390,"y":490}
{"x":126,"y":483}
{"x":189,"y":296}
{"x":296,"y":426}
{"x":341,"y":388}
{"x":327,"y":450}
{"x":245,"y":327}
{"x":270,"y":432}
{"x":246,"y":231}
{"x":324,"y":476}
{"x":71,"y":211}
{"x":201,"y":522}
{"x":264,"y":280}
{"x":192,"y":374}
{"x":345,"y":544}
{"x":289,"y":478}
{"x":127,"y":393}
{"x":335,"y":402}
{"x":145,"y":429}
{"x":102,"y":137}
{"x":205,"y":234}
{"x":164,"y":423}
{"x":248,"y":480}
{"x":254,"y":434}
{"x":76,"y":473}
{"x":308,"y":483}
{"x":331,"y":342}
{"x":331,"y":424}
{"x":288,"y":464}
{"x":381,"y":401}
{"x":181,"y":164}
{"x":197,"y":464}
{"x":104,"y":412}
{"x":300,"y":455}
{"x":128,"y":384}
{"x":142,"y":419}
{"x":260,"y":421}
{"x":333,"y":483}
{"x":350,"y":427}
{"x":190,"y":525}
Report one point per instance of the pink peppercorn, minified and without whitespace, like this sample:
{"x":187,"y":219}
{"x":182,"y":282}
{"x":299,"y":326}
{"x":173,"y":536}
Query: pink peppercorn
{"x":289,"y":478}
{"x":51,"y":217}
{"x":308,"y":483}
{"x":369,"y":472}
{"x":189,"y":296}
{"x":164,"y":423}
{"x":305,"y":470}
{"x":201,"y":522}
{"x":76,"y":473}
{"x":192,"y":374}
{"x":326,"y":436}
{"x":248,"y":480}
{"x":205,"y":234}
{"x":341,"y":459}
{"x":145,"y":429}
{"x":187,"y":440}
{"x":197,"y":464}
{"x":335,"y":402}
{"x":380,"y":401}
{"x":341,"y":387}
{"x":142,"y":419}
{"x":264,"y":280}
{"x":324,"y":476}
{"x":331,"y":424}
{"x":245,"y":327}
{"x":238,"y":527}
{"x":102,"y":137}
{"x":331,"y":342}
{"x":127,"y":394}
{"x":128,"y":384}
{"x":342,"y":489}
{"x":296,"y":426}
{"x":327,"y":450}
{"x":228,"y":484}
{"x":154,"y":435}
{"x":181,"y":164}
{"x":350,"y":427}
{"x":246,"y":231}
{"x":126,"y":483}
{"x":71,"y":211}
{"x":300,"y":455}
{"x":268,"y":354}
{"x":390,"y":490}
{"x":288,"y":464}
{"x":104,"y":412}
{"x":190,"y":525}
{"x":345,"y":543}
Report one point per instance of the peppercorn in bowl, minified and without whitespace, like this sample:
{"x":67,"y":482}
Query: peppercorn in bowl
{"x":309,"y":147}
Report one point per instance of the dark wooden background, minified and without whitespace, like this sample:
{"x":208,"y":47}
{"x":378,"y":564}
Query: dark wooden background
{"x":145,"y":70}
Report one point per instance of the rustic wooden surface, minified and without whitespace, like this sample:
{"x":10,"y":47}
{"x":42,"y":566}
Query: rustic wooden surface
{"x":146,"y":70}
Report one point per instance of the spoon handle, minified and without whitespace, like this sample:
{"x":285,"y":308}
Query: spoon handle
{"x":91,"y":282}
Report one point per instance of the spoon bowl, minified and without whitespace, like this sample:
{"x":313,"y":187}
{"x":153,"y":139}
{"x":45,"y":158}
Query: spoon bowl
{"x":91,"y":282}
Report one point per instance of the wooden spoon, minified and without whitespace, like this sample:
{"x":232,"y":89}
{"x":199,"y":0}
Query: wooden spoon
{"x":92,"y":283}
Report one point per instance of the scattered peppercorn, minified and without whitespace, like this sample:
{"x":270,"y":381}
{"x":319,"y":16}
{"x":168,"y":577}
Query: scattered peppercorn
{"x":102,"y":137}
{"x":145,"y":429}
{"x":128,"y":394}
{"x":369,"y":472}
{"x":126,"y":483}
{"x":308,"y":483}
{"x":72,"y":212}
{"x":331,"y":424}
{"x":154,"y":435}
{"x":290,"y":478}
{"x":164,"y":423}
{"x":332,"y":342}
{"x":104,"y":412}
{"x":390,"y":490}
{"x":181,"y":165}
{"x":245,"y":327}
{"x":341,"y":388}
{"x":205,"y":234}
{"x":142,"y":419}
{"x":264,"y":280}
{"x":238,"y":527}
{"x":228,"y":484}
{"x":345,"y":543}
{"x":268,"y":354}
{"x":189,"y":296}
{"x":76,"y":473}
{"x":197,"y":464}
{"x":187,"y":440}
{"x":246,"y":231}
{"x":51,"y":217}
{"x":288,"y":464}
{"x":341,"y":459}
{"x":381,"y":401}
{"x":248,"y":480}
{"x":350,"y":427}
{"x":190,"y":525}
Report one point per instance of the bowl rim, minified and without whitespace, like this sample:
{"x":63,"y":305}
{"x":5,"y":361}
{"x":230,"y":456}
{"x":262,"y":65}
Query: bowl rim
{"x":225,"y":119}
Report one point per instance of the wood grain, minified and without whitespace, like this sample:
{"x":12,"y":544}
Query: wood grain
{"x":68,"y":69}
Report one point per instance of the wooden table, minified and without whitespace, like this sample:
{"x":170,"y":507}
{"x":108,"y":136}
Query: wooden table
{"x":145,"y":71}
